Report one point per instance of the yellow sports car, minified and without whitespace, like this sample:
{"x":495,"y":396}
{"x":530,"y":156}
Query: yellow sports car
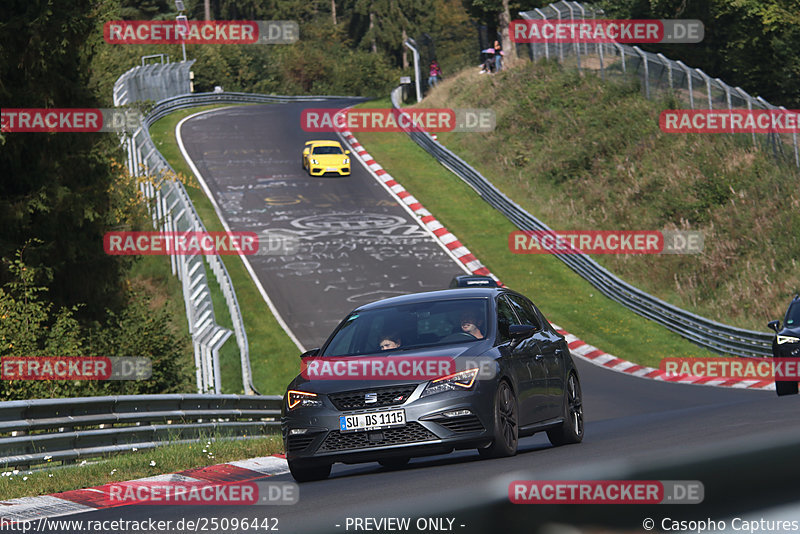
{"x":323,"y":157}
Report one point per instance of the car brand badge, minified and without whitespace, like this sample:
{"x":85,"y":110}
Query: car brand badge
{"x":370,"y":398}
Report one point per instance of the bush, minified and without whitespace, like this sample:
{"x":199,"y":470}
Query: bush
{"x":30,"y":326}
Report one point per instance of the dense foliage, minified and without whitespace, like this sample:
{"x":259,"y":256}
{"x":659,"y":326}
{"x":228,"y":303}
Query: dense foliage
{"x":60,"y":294}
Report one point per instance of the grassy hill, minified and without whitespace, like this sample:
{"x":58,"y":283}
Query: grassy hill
{"x":583,"y":154}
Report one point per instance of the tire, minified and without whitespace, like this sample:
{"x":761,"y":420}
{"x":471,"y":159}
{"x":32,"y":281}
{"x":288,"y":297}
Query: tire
{"x":304,"y":473}
{"x":785,"y":388}
{"x":394,"y":463}
{"x":506,"y":424}
{"x":571,"y":430}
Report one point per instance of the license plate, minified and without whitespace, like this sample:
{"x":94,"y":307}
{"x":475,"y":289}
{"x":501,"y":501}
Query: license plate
{"x":372,"y":421}
{"x":331,"y":169}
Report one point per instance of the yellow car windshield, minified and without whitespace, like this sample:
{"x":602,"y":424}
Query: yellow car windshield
{"x":322,"y":150}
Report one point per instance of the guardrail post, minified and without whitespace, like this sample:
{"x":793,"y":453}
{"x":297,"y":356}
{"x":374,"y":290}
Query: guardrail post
{"x":622,"y":56}
{"x":668,"y":64}
{"x":646,"y":71}
{"x":583,"y":17}
{"x":412,"y":45}
{"x":688,"y":72}
{"x":727,"y":90}
{"x":546,"y":45}
{"x":747,"y":98}
{"x":576,"y":45}
{"x":708,"y":87}
{"x":560,"y":44}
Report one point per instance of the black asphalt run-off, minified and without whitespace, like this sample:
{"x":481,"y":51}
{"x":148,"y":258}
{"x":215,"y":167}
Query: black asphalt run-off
{"x":357,"y":244}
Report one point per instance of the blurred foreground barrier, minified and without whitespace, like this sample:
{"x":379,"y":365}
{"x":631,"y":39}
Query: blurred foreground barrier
{"x":41,"y":430}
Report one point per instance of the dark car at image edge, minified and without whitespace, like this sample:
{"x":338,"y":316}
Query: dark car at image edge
{"x":534,"y":386}
{"x":786,"y":343}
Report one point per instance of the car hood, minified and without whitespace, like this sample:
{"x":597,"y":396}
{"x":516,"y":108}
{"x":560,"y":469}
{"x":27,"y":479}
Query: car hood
{"x":463,"y":350}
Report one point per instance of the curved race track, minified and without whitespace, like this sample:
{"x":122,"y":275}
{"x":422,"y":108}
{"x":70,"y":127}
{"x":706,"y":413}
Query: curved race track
{"x":250,"y":159}
{"x":356,"y":244}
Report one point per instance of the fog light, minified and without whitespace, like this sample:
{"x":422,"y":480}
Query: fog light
{"x":296,"y":431}
{"x":457,"y":413}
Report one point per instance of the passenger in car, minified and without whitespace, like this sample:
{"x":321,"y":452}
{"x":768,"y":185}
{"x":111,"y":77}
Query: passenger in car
{"x":390,"y":341}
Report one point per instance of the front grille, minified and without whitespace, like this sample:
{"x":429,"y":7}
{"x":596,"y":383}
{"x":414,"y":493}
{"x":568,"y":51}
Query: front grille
{"x":387,"y":396}
{"x":299,"y":442}
{"x":467,"y":423}
{"x":411,"y":433}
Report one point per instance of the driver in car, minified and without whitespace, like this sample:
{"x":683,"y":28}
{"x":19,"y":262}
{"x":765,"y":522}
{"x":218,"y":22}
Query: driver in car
{"x":470,"y":324}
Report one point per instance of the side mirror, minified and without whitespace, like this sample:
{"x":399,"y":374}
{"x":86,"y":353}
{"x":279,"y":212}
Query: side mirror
{"x":521,"y":331}
{"x":774,"y":325}
{"x":310,"y":353}
{"x":305,"y":152}
{"x":347,"y":152}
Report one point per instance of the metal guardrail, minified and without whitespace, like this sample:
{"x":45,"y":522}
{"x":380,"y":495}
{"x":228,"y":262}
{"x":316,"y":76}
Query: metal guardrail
{"x":710,"y":334}
{"x":658,"y":73}
{"x":155,"y":82}
{"x":172,"y":211}
{"x":37,"y":431}
{"x":175,"y":103}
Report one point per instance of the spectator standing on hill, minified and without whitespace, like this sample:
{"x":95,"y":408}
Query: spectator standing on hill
{"x":433,"y":74}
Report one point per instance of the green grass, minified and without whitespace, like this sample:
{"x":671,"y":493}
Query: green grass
{"x":273,"y":356}
{"x":130,"y":466}
{"x":563,"y":296}
{"x":581,"y":153}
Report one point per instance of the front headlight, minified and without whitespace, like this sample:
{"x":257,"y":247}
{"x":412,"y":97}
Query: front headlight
{"x":788,"y":339}
{"x":304,"y":399}
{"x":456,"y":381}
{"x":315,"y":162}
{"x":346,"y":161}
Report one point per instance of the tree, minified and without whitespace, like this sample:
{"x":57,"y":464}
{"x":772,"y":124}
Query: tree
{"x":53,"y":186}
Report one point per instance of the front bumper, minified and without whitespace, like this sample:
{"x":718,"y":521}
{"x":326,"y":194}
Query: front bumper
{"x":318,"y":170}
{"x":786,"y":350}
{"x":427,"y":431}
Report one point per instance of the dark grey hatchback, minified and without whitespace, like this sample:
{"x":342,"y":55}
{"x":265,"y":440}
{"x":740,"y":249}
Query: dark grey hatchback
{"x":524,"y":382}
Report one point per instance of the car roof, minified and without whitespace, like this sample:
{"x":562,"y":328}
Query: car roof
{"x":472,"y":280}
{"x":324,"y":142}
{"x":432,"y":296}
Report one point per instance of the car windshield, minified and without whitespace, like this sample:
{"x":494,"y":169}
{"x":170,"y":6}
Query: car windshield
{"x":420,"y":324}
{"x":322,"y":150}
{"x":793,"y":315}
